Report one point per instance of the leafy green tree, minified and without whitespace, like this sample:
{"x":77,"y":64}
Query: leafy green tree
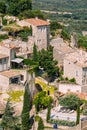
{"x":42,"y":100}
{"x":82,"y":41}
{"x":25,"y":33}
{"x":55,"y":25}
{"x":40,"y":124}
{"x":47,"y":62}
{"x":15,"y":7}
{"x":26,"y":109}
{"x":39,"y":14}
{"x":2,"y":7}
{"x":25,"y":5}
{"x":32,"y":14}
{"x":8,"y":120}
{"x":73,"y":102}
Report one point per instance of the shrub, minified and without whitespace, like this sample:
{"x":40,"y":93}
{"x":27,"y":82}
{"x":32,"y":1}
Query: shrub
{"x":25,"y":33}
{"x":55,"y":25}
{"x":65,"y":35}
{"x":85,"y":112}
{"x":61,"y":78}
{"x":3,"y":37}
{"x":72,"y":80}
{"x":63,"y":122}
{"x":66,"y":79}
{"x":4,"y":22}
{"x":53,"y":33}
{"x":37,"y":118}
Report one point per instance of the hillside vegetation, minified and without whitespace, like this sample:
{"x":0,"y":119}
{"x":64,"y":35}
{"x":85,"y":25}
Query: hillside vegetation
{"x":61,"y":4}
{"x":74,"y":12}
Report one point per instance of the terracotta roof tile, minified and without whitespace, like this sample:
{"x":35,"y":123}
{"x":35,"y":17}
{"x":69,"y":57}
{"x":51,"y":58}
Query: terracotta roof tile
{"x":37,"y":22}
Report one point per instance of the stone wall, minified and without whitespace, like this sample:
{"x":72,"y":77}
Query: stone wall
{"x":84,"y":125}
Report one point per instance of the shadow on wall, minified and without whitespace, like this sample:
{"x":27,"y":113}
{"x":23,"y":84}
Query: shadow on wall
{"x":37,"y":89}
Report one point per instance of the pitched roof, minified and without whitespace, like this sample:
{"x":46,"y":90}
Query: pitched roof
{"x":7,"y":45}
{"x":3,"y":56}
{"x":37,"y":22}
{"x":10,"y":73}
{"x":78,"y":57}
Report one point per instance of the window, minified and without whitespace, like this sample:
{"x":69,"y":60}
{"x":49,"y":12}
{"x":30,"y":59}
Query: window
{"x":84,"y":74}
{"x":83,"y":81}
{"x":76,"y":73}
{"x":68,"y":90}
{"x":14,"y":80}
{"x":22,"y":77}
{"x":48,"y":92}
{"x":39,"y":41}
{"x":4,"y":60}
{"x":1,"y":61}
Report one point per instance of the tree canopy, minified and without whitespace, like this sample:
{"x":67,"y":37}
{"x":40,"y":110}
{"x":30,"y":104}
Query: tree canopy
{"x":42,"y":100}
{"x":82,"y":42}
{"x":70,"y":101}
{"x":55,"y":25}
{"x":65,"y":34}
{"x":47,"y":62}
{"x":2,"y":7}
{"x":15,"y":7}
{"x":31,"y":14}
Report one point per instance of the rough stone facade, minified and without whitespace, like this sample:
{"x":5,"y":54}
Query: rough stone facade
{"x":75,"y":66}
{"x":40,"y":32}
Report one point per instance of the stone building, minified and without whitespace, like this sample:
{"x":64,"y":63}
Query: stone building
{"x":75,"y":66}
{"x":16,"y":79}
{"x":75,"y":88}
{"x":7,"y":53}
{"x":13,"y":78}
{"x":40,"y":32}
{"x":60,"y":50}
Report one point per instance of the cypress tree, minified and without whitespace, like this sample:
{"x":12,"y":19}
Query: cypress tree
{"x":78,"y":114}
{"x":35,"y":55}
{"x":8,"y":120}
{"x":48,"y":112}
{"x":26,"y":125}
{"x":40,"y":124}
